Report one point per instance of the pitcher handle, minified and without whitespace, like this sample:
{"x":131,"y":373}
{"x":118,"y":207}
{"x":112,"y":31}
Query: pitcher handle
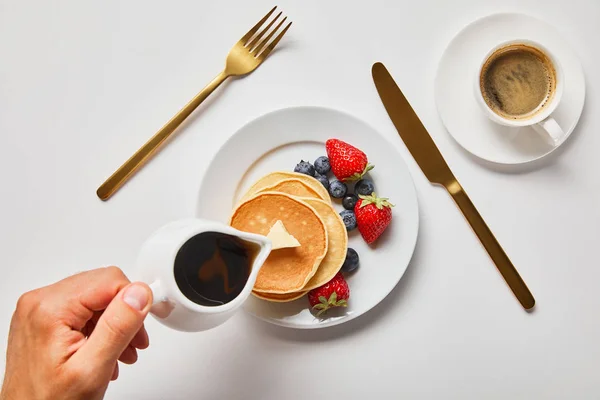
{"x":158,"y":294}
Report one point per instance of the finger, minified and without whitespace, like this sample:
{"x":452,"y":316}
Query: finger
{"x":140,"y":340}
{"x":117,"y":326}
{"x":129,"y":355}
{"x":91,"y":324}
{"x":75,"y":299}
{"x":101,"y":286}
{"x":115,"y":373}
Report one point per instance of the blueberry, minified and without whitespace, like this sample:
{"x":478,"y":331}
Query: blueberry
{"x":350,"y":201}
{"x":337,"y":189}
{"x":349,"y":219}
{"x":364,"y":187}
{"x":351,"y":262}
{"x":304,"y":167}
{"x":322,"y":165}
{"x":323,"y":179}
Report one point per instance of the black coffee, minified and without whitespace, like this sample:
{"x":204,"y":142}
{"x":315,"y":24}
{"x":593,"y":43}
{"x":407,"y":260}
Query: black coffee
{"x":517,"y":81}
{"x":212,"y":268}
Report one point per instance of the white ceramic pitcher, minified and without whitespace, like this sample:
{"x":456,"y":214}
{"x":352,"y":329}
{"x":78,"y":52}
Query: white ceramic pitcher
{"x":156,"y":262}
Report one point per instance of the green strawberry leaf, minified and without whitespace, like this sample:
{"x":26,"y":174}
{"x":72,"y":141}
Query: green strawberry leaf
{"x":342,"y":303}
{"x":379,"y":202}
{"x":352,"y":178}
{"x":358,"y":176}
{"x":323,"y":300}
{"x":333,"y":298}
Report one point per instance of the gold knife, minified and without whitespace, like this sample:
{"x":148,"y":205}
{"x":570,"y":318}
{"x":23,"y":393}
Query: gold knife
{"x":426,"y":154}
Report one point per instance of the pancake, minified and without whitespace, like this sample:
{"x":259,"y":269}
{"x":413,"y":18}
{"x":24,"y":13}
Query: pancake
{"x":279,"y":298}
{"x":336,"y":251}
{"x":275,"y":177}
{"x":285,"y":270}
{"x":336,"y":247}
{"x":294,"y":187}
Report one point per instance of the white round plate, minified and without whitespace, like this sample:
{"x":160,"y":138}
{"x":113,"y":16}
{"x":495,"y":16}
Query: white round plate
{"x":455,"y":98}
{"x":278,"y":141}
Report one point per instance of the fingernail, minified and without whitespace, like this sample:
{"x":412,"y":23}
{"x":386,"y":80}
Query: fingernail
{"x":136,"y":296}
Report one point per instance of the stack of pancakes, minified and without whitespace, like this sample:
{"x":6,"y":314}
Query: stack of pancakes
{"x":303,"y":205}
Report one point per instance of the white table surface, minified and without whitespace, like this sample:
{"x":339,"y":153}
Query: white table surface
{"x":84,"y":83}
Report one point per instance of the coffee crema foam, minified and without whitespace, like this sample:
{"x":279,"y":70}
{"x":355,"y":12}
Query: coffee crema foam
{"x":517,"y":81}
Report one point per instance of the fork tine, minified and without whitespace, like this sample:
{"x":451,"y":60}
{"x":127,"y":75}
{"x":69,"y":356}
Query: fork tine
{"x":255,"y":28}
{"x":272,"y":45}
{"x":264,"y":42}
{"x":262,"y":33}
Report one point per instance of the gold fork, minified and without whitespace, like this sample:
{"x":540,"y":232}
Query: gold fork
{"x":244,"y":57}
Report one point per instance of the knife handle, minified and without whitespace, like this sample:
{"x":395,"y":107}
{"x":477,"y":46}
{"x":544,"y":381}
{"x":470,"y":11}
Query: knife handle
{"x":503,"y":263}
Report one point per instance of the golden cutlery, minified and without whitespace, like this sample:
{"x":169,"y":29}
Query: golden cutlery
{"x":426,"y":154}
{"x":244,"y":57}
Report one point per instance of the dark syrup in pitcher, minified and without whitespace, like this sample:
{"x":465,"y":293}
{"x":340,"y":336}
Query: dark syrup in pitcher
{"x":212,"y":268}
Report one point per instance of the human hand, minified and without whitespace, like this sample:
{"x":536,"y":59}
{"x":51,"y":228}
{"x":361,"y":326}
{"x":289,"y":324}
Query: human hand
{"x":65,"y":339}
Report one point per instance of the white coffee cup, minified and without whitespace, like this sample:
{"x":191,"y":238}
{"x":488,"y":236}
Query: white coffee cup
{"x":541,"y":121}
{"x":156,"y":263}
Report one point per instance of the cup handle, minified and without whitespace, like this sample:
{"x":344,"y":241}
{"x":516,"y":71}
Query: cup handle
{"x":158,"y":293}
{"x":550,"y":128}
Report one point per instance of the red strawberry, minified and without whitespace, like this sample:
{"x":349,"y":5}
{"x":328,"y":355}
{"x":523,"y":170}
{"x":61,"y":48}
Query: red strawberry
{"x":332,"y":294}
{"x":373,"y":215}
{"x":347,"y":162}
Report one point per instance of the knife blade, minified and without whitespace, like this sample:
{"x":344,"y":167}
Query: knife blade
{"x":423,"y":149}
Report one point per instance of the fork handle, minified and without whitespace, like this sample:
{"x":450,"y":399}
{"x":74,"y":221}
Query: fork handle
{"x":503,"y":263}
{"x":121,"y":175}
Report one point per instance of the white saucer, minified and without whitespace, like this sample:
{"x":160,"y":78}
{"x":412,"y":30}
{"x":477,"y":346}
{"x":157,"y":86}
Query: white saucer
{"x":463,"y":117}
{"x":277,"y":141}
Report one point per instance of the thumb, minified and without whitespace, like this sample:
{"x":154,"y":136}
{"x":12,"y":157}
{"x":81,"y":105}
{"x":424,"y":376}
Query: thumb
{"x":117,"y":326}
